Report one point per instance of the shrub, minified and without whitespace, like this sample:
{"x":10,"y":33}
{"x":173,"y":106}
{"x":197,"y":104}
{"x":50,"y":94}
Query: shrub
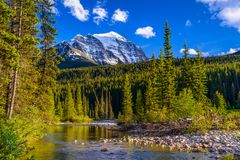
{"x":12,"y":147}
{"x":184,"y":105}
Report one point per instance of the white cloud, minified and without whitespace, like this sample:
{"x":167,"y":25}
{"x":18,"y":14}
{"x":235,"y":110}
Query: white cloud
{"x":231,"y":51}
{"x":228,"y":11}
{"x":146,"y":32}
{"x":188,"y":23}
{"x":120,"y":16}
{"x":77,"y":9}
{"x":100,"y":14}
{"x":191,"y":51}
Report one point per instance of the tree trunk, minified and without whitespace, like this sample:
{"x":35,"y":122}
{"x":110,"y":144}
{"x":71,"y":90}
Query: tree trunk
{"x":15,"y":74}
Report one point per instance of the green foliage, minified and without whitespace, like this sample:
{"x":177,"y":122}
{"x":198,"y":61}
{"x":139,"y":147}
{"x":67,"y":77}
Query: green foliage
{"x":140,"y":116}
{"x":12,"y":147}
{"x":199,"y":88}
{"x":169,"y":70}
{"x":69,"y":110}
{"x":78,"y":101}
{"x":184,"y":105}
{"x":220,"y":103}
{"x":186,"y":69}
{"x":127,"y":112}
{"x":202,"y":120}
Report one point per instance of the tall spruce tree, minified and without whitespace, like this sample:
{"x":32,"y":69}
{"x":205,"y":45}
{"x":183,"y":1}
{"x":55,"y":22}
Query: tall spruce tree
{"x":139,"y":107}
{"x":220,"y":103}
{"x":160,"y":79}
{"x":78,"y":101}
{"x":101,"y":107}
{"x":199,"y":78}
{"x":110,"y":110}
{"x":149,"y":100}
{"x":8,"y":53}
{"x":69,"y":110}
{"x":49,"y":58}
{"x":127,"y":111}
{"x":186,"y":70}
{"x":169,"y":69}
{"x":24,"y":76}
{"x":154,"y":82}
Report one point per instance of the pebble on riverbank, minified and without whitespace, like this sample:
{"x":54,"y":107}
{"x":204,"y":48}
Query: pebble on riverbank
{"x":213,"y":141}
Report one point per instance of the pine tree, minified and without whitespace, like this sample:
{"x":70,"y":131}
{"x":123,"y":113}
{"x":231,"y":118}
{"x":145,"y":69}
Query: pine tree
{"x":101,"y":107}
{"x":24,"y":76}
{"x":160,"y":79}
{"x":69,"y":111}
{"x":169,"y":70}
{"x":220,"y":103}
{"x":110,"y":110}
{"x":59,"y":109}
{"x":49,"y":59}
{"x":8,"y":53}
{"x":139,"y":107}
{"x":199,"y":79}
{"x":96,"y":110}
{"x":127,"y":111}
{"x":106,"y":106}
{"x":154,"y":82}
{"x":149,"y":101}
{"x":186,"y":69}
{"x":78,"y":101}
{"x":85,"y":105}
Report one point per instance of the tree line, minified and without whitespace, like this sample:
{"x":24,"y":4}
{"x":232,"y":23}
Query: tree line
{"x":28,"y":70}
{"x":154,"y":91}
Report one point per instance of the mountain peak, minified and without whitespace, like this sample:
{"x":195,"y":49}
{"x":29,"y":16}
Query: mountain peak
{"x":111,"y":34}
{"x":104,"y":49}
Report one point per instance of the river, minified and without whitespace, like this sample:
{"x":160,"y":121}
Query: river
{"x":87,"y":143}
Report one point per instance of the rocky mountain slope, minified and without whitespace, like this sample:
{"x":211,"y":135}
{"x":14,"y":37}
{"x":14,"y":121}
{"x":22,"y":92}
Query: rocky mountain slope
{"x":101,"y":49}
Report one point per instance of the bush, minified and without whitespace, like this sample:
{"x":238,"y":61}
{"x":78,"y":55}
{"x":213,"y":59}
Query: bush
{"x":12,"y":147}
{"x":184,"y":106}
{"x":160,"y":115}
{"x":30,"y":123}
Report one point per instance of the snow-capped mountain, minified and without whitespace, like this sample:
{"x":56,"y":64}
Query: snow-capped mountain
{"x":107,"y":48}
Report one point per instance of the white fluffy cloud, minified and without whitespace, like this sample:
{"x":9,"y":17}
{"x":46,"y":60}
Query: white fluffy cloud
{"x":228,"y":11}
{"x":120,"y":16}
{"x":231,"y":51}
{"x":146,"y":32}
{"x":77,"y":9}
{"x":191,"y":51}
{"x":100,"y":14}
{"x":188,"y":23}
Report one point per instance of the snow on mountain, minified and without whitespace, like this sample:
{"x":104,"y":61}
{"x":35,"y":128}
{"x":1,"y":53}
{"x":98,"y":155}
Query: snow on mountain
{"x":107,"y":48}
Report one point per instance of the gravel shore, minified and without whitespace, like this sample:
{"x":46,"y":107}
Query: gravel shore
{"x":219,"y":142}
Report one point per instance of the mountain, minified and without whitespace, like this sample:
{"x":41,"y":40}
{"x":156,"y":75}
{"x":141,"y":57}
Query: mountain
{"x":100,"y":49}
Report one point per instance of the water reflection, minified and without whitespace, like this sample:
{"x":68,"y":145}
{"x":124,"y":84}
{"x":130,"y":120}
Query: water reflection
{"x":84,"y":143}
{"x":64,"y":138}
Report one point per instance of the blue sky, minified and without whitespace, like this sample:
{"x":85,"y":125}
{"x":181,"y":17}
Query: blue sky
{"x":210,"y":25}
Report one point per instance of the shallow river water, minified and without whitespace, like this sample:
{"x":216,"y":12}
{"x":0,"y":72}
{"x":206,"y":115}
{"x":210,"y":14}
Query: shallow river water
{"x":86,"y":143}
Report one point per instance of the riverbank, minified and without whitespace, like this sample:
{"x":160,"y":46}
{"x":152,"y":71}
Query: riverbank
{"x":218,"y":142}
{"x":171,"y":136}
{"x":107,"y":124}
{"x":174,"y":136}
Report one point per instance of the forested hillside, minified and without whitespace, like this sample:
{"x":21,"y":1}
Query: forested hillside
{"x":223,"y":74}
{"x":153,"y":88}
